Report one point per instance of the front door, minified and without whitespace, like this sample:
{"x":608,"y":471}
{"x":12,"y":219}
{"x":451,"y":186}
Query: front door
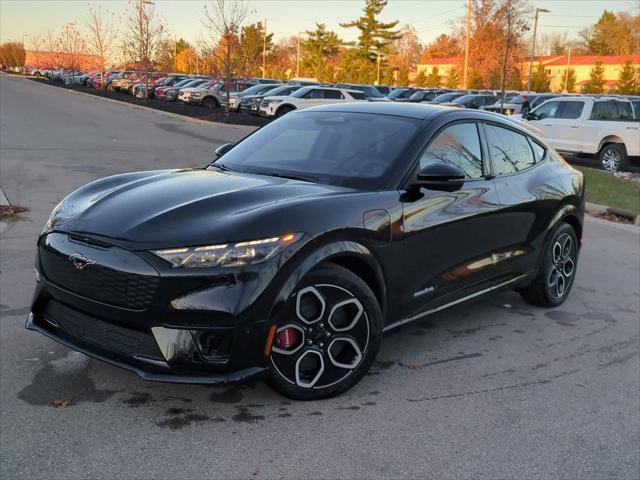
{"x":449,"y":237}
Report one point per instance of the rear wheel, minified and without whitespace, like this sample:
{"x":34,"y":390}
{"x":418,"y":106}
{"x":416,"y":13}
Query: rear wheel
{"x":553,"y":283}
{"x":327,"y":335}
{"x":613,"y":157}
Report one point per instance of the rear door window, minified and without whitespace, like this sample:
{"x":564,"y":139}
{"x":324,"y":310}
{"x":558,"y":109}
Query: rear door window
{"x":358,"y":95}
{"x":510,"y":151}
{"x":333,"y":94}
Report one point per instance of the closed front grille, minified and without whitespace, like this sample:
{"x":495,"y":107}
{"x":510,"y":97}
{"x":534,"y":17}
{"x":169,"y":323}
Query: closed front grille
{"x":101,"y":333}
{"x":110,"y":275}
{"x":264,"y":104}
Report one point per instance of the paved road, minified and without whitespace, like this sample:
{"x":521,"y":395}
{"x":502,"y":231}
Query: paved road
{"x":494,"y":389}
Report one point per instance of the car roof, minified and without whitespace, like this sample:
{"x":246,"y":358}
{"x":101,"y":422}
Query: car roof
{"x":410,"y":110}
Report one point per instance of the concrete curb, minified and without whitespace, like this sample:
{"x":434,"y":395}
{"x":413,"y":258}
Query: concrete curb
{"x":243,"y":128}
{"x":595,"y":210}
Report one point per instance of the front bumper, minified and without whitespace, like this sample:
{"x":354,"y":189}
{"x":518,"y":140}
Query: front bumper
{"x":145,"y":368}
{"x":131,"y":310}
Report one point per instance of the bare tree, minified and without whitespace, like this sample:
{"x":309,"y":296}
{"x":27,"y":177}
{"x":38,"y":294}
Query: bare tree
{"x":101,"y":38}
{"x":224,"y":19}
{"x":144,"y":30}
{"x":51,"y":45}
{"x":72,"y":46}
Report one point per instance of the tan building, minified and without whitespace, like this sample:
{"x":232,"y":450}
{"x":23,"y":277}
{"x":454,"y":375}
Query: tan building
{"x":556,"y":66}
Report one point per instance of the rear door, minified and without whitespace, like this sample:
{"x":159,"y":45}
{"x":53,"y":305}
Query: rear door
{"x":521,"y":184}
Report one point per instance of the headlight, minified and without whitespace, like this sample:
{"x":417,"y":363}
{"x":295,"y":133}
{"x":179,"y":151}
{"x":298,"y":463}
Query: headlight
{"x":48,"y":226}
{"x":227,"y":255}
{"x":275,"y":101}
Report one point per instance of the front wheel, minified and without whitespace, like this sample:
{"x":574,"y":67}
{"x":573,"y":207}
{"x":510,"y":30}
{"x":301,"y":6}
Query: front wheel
{"x":210,"y":102}
{"x":282,"y":111}
{"x":613,"y":157}
{"x":553,"y":283}
{"x":327,"y":335}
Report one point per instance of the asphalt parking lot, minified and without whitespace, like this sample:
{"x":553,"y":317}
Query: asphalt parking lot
{"x":492,"y":389}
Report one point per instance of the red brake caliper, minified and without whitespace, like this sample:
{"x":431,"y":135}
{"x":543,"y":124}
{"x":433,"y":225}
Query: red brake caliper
{"x":287,"y":338}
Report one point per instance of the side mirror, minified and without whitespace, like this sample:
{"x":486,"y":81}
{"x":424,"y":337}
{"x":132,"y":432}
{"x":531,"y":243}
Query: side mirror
{"x":441,"y":176}
{"x":222,"y":149}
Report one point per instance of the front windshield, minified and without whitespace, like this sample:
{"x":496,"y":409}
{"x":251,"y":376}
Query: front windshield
{"x":285,"y":90}
{"x":447,"y":97}
{"x":464,"y":99}
{"x":182,"y":83}
{"x":254,"y":89}
{"x":398,"y":92}
{"x":337,"y":148}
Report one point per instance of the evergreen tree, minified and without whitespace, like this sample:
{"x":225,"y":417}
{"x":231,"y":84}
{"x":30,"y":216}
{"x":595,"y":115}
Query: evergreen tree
{"x":453,"y":79}
{"x":433,"y":79}
{"x":475,"y":81}
{"x":495,"y":80}
{"x":421,"y":79}
{"x":251,"y":46}
{"x":402,"y":77}
{"x":596,"y":79}
{"x":628,"y":81}
{"x":375,"y":36}
{"x":540,"y":81}
{"x":568,"y":83}
{"x":319,"y":47}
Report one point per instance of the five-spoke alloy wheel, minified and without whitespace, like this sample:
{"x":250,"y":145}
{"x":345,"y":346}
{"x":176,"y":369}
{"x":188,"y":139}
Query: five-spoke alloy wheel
{"x":327,"y":335}
{"x":554,"y":280}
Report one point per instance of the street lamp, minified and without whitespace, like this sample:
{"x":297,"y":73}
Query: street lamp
{"x":533,"y":44}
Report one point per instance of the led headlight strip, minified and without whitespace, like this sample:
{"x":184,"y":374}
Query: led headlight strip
{"x":228,"y":254}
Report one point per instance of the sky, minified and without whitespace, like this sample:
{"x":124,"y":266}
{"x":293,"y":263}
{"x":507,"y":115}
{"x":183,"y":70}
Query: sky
{"x":288,"y":17}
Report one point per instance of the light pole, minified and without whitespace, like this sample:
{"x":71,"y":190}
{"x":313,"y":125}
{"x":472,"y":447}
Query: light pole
{"x":298,"y":55}
{"x":378,"y":65}
{"x":533,"y":44}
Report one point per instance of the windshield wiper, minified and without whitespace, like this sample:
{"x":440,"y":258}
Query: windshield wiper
{"x":220,"y":166}
{"x":290,"y":176}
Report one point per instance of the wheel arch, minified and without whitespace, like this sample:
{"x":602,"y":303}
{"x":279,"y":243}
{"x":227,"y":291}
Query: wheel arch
{"x":610,"y":139}
{"x":349,"y":254}
{"x":286,"y":105}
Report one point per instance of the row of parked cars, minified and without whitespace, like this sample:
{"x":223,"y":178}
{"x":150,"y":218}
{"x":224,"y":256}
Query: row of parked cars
{"x":604,"y":126}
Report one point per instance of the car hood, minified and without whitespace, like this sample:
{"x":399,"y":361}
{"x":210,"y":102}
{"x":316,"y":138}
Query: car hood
{"x":184,"y":207}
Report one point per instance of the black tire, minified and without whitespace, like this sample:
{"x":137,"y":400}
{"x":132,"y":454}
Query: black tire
{"x":344,"y":340}
{"x":552,"y":285}
{"x":282,"y":111}
{"x":210,"y":102}
{"x":613,"y":157}
{"x":37,"y":75}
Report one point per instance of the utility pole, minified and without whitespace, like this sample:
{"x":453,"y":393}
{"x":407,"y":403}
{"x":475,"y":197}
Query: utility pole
{"x":264,"y":50}
{"x":533,"y":44}
{"x":566,"y":74}
{"x":175,"y":54}
{"x":378,"y":65}
{"x":298,"y":57}
{"x":466,"y":46}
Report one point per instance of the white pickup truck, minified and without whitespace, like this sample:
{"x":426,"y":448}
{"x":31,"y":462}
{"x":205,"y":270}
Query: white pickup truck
{"x":602,"y":126}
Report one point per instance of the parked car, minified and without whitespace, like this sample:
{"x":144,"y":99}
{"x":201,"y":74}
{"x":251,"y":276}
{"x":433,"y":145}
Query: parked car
{"x":472,"y":101}
{"x":171,"y":93}
{"x":235,"y":98}
{"x":120,"y":79}
{"x":448,"y":97}
{"x":384,"y":89}
{"x":259,"y":80}
{"x":371,"y":93}
{"x":427,"y":95}
{"x":402,"y":94}
{"x":168,"y":82}
{"x":294,"y":251}
{"x":308,"y":97}
{"x":516,"y":103}
{"x":601,"y":126}
{"x":251,"y":103}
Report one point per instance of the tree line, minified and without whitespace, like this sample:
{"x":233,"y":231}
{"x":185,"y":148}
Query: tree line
{"x":384,"y":52}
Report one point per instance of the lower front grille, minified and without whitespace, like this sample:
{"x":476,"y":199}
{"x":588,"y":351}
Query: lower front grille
{"x":103,"y":334}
